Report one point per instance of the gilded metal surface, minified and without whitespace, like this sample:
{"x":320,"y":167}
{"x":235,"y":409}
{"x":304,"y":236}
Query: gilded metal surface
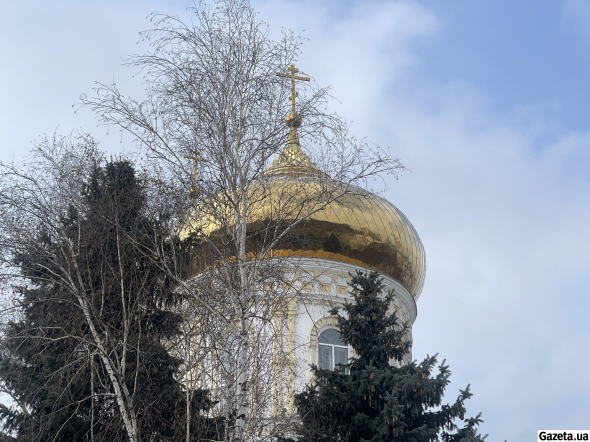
{"x":356,"y":227}
{"x":293,"y":77}
{"x":194,"y":188}
{"x":292,"y":155}
{"x":292,"y":159}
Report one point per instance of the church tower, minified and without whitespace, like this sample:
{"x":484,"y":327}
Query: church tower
{"x":357,"y":231}
{"x":351,"y":230}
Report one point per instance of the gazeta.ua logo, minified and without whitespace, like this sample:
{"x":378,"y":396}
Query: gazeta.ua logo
{"x":564,"y":435}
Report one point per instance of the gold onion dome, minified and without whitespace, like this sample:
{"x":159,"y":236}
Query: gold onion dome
{"x":357,"y":228}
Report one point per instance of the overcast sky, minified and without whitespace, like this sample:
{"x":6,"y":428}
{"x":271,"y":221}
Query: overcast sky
{"x":487,"y":102}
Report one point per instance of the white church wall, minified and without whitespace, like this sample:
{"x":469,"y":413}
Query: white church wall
{"x":324,"y":285}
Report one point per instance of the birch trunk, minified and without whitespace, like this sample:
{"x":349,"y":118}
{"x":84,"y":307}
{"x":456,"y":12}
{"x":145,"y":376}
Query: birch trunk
{"x":214,"y":94}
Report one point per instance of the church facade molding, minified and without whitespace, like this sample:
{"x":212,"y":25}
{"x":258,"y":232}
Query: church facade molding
{"x":335,"y":273}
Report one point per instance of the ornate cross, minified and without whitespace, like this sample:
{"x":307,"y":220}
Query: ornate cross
{"x":293,"y":77}
{"x":194,"y":189}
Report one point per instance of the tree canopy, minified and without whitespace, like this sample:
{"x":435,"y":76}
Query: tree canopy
{"x":373,"y":398}
{"x":90,"y":293}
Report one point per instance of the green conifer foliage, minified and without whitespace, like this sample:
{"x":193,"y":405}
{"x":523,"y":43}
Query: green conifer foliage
{"x":49,"y":358}
{"x":371,"y":399}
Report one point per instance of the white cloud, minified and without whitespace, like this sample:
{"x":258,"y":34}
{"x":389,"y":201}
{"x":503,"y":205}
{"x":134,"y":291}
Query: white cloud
{"x":502,"y":214}
{"x":504,"y":228}
{"x":54,"y":51}
{"x":359,"y":53}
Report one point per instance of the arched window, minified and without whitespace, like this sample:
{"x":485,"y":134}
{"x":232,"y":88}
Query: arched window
{"x":331,"y":350}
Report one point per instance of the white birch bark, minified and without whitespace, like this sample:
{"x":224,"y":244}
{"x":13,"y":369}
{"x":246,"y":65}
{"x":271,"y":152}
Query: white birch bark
{"x":213,"y":89}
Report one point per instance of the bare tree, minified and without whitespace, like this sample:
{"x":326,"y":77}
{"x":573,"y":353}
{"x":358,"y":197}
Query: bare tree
{"x":70,"y":228}
{"x":212,"y":93}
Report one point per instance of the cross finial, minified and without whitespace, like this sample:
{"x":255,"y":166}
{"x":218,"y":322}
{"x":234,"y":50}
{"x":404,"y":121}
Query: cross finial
{"x":194,"y":190}
{"x":293,"y":77}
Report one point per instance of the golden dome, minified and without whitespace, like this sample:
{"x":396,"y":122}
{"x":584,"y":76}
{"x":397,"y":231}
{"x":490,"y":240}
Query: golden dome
{"x":358,"y":227}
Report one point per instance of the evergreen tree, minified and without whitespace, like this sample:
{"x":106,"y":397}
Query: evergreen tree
{"x":50,"y":360}
{"x":370,"y":399}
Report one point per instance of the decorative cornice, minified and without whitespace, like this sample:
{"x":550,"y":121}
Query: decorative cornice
{"x":327,"y":265}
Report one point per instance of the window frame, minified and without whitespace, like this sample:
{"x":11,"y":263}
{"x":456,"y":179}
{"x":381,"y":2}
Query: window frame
{"x":332,"y":348}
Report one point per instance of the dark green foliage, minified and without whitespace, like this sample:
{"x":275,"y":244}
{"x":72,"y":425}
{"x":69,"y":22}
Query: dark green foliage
{"x":50,"y":359}
{"x":372,"y":400}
